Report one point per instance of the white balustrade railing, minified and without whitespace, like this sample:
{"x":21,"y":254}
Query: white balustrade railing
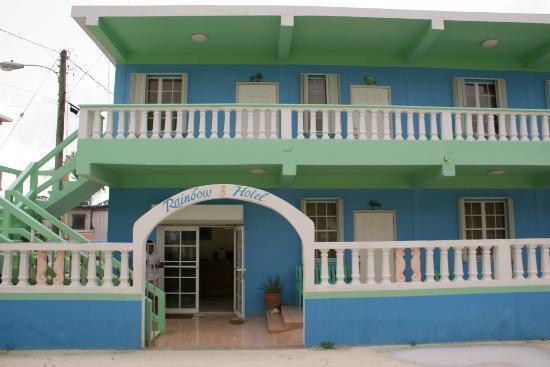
{"x":313,"y":122}
{"x":69,"y":267}
{"x":380,"y":265}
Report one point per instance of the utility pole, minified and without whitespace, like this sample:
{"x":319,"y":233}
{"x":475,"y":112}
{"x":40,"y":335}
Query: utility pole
{"x":61,"y":105}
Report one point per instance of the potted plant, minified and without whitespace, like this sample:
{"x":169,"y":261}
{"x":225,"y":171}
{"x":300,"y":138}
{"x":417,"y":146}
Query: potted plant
{"x":272,"y":292}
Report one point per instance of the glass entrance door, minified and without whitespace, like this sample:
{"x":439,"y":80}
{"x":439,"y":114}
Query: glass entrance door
{"x":181,"y":269}
{"x":238,"y":273}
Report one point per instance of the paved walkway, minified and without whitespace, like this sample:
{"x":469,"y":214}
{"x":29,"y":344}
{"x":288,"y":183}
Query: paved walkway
{"x":516,"y":354}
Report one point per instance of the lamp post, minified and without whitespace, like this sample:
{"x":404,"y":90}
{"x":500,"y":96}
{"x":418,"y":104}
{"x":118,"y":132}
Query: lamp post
{"x":62,"y":81}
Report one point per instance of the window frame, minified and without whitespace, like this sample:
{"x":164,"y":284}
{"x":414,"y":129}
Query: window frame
{"x":339,"y":214}
{"x":84,"y":216}
{"x":477,"y":82}
{"x":509,"y":215}
{"x":161,"y":77}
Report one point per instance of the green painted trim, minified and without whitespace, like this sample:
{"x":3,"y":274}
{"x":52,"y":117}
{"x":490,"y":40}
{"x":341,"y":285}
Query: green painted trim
{"x":9,"y":170}
{"x":69,"y":297}
{"x":426,"y":292}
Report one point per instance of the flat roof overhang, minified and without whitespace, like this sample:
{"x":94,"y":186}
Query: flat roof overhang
{"x":317,"y":36}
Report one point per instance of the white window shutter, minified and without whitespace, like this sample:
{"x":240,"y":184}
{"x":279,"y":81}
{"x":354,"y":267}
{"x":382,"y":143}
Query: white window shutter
{"x":184,"y":88}
{"x":138,"y":88}
{"x":459,"y":95}
{"x":502,"y":99}
{"x":333,"y":88}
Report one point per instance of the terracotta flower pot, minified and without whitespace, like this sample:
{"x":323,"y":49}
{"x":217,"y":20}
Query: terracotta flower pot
{"x":272,"y":300}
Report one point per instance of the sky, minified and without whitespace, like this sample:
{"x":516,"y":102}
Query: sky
{"x":33,"y":90}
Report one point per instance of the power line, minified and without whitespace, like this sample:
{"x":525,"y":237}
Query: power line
{"x":28,"y":40}
{"x":87,"y":71}
{"x":91,"y":77}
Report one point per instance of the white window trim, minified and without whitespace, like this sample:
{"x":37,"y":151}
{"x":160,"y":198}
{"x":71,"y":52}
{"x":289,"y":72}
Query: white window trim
{"x":340,"y":214}
{"x":509,"y":218}
{"x":500,"y":90}
{"x":161,"y":77}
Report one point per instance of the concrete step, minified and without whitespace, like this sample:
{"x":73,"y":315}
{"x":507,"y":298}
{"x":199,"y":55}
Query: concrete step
{"x":275,"y":322}
{"x":293,"y":316}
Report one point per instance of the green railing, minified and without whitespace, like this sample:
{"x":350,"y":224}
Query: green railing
{"x":155,"y":313}
{"x":331,"y":278}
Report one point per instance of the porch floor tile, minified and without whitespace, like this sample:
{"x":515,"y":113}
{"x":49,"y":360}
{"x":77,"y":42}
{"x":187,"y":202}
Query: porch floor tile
{"x":214,"y":331}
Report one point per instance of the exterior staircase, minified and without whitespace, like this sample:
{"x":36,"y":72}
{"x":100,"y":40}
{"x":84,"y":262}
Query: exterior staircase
{"x":290,"y":317}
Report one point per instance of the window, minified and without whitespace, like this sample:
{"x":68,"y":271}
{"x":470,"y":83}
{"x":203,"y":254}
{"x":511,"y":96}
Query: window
{"x":320,"y":89}
{"x":163,"y":89}
{"x":326,"y":215}
{"x":78,"y":222}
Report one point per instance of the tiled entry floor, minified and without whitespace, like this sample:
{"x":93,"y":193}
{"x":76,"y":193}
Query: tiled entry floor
{"x":215,"y":331}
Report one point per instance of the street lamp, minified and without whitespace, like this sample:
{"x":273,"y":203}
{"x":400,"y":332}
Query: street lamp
{"x":61,"y":77}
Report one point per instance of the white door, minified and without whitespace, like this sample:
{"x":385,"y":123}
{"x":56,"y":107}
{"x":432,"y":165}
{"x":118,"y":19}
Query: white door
{"x":370,"y":95}
{"x":180,"y":280}
{"x":238,"y":273}
{"x":374,"y":225}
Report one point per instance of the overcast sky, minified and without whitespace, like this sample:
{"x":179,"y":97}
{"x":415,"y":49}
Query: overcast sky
{"x":50,"y":24}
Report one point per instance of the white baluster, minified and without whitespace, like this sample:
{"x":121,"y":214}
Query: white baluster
{"x":238,"y":123}
{"x":75,"y":269}
{"x":433,"y":126}
{"x":458,"y":268}
{"x":300,"y":126}
{"x":226,"y":124}
{"x":179,"y":124}
{"x":109,"y":127}
{"x":120,"y":122}
{"x":374,"y":124}
{"x":513,"y":128}
{"x":143,"y":125}
{"x":415,"y":265}
{"x":386,"y":266}
{"x":430,"y":273}
{"x":518,"y":262}
{"x":96,"y":127}
{"x":502,"y":130}
{"x":532,"y":271}
{"x":124,"y":269}
{"x":370,"y":266}
{"x":458,"y":126}
{"x":534,"y":128}
{"x":214,"y":124}
{"x":491,"y":127}
{"x":202,"y":124}
{"x":6,"y":269}
{"x":421,"y":126}
{"x":410,"y":126}
{"x":544,"y":262}
{"x":523,"y":134}
{"x":324,"y":266}
{"x":273,"y":125}
{"x":362,"y":125}
{"x":92,"y":281}
{"x":337,"y":125}
{"x":398,"y":126}
{"x":312,"y":126}
{"x":386,"y":125}
{"x":472,"y":264}
{"x":191,"y":124}
{"x":486,"y":269}
{"x":340,"y":266}
{"x":167,"y":133}
{"x":250,"y":123}
{"x":444,"y":264}
{"x":261,"y":131}
{"x":545,"y":121}
{"x":480,"y":127}
{"x":23,"y":269}
{"x":155,"y":134}
{"x":325,"y":135}
{"x":399,"y":265}
{"x":469,"y":127}
{"x":350,"y":132}
{"x":355,"y":273}
{"x":108,"y":269}
{"x":132,"y":131}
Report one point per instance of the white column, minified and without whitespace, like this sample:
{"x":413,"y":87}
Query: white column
{"x":190,"y":124}
{"x":75,"y":269}
{"x":96,"y":125}
{"x":167,"y":134}
{"x":109,"y":128}
{"x":179,"y":124}
{"x":430,"y":273}
{"x":532,"y":261}
{"x":143,"y":125}
{"x":386,"y":125}
{"x":374,"y":124}
{"x":123,"y":269}
{"x":312,"y":128}
{"x":523,"y":134}
{"x":481,"y":127}
{"x":486,"y":270}
{"x":23,"y":269}
{"x":472,"y":264}
{"x":108,"y":269}
{"x":545,"y":261}
{"x":410,"y":126}
{"x":545,"y":121}
{"x":458,"y":268}
{"x":155,"y":134}
{"x":92,"y":281}
{"x":132,"y":131}
{"x":202,"y":123}
{"x":325,"y":135}
{"x":300,"y":127}
{"x":261,"y":128}
{"x":340,"y":275}
{"x":491,"y":127}
{"x":518,"y":262}
{"x":370,"y":266}
{"x":226,"y":124}
{"x":433,"y":126}
{"x":324,"y":267}
{"x":534,"y":128}
{"x":250,"y":123}
{"x":121,"y":121}
{"x":458,"y":126}
{"x":337,"y":125}
{"x":238,"y":123}
{"x":214,"y":124}
{"x":513,"y":127}
{"x":6,"y":269}
{"x":355,"y":274}
{"x":362,"y":133}
{"x":469,"y":127}
{"x":398,"y":126}
{"x":421,"y":126}
{"x":350,"y":135}
{"x":386,"y":266}
{"x":502,"y":130}
{"x":273,"y":124}
{"x":444,"y":264}
{"x":286,"y":123}
{"x":502,"y":262}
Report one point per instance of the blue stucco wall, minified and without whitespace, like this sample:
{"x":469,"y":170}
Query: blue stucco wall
{"x":273,"y":247}
{"x":410,"y":86}
{"x":70,"y":324}
{"x":427,"y":319}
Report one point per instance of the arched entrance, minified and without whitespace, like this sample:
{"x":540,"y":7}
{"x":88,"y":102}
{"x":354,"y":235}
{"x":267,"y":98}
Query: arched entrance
{"x":147,"y":223}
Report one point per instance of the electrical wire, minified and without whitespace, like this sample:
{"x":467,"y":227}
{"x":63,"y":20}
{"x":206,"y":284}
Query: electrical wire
{"x":91,"y":77}
{"x":87,"y":71}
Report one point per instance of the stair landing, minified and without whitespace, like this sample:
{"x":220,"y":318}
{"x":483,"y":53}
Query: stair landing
{"x":290,"y":317}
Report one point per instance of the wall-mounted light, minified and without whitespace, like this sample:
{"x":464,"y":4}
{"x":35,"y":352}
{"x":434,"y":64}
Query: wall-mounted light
{"x":199,"y":37}
{"x":374,"y":204}
{"x":258,"y":171}
{"x":256,"y":77}
{"x":495,"y":172}
{"x":489,"y":43}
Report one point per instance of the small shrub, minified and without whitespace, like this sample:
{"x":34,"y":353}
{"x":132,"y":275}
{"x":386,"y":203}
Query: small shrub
{"x":327,"y":345}
{"x":413,"y":344}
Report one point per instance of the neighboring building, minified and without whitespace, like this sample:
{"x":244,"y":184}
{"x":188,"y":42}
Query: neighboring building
{"x":89,"y":220}
{"x":392,"y":167}
{"x":4,"y":119}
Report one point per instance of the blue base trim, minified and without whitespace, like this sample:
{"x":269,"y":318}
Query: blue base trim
{"x":70,"y":324}
{"x":427,"y":319}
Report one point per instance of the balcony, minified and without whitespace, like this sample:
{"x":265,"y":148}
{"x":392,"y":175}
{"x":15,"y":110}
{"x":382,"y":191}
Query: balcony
{"x":298,"y":145}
